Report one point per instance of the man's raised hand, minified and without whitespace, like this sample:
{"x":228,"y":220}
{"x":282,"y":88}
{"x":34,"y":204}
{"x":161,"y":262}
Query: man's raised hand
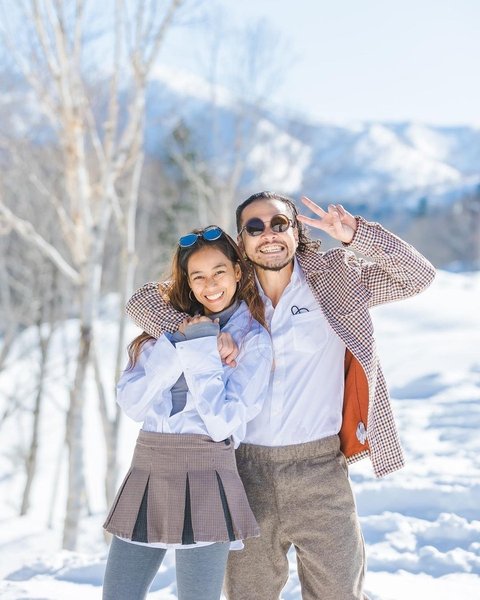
{"x":336,"y":221}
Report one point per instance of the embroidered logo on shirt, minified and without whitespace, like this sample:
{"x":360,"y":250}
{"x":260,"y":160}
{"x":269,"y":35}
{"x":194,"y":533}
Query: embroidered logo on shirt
{"x":295,"y":310}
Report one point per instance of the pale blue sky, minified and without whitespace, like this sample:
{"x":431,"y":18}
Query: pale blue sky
{"x":388,"y":60}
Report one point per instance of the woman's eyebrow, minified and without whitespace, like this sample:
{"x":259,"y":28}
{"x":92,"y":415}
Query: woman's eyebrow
{"x":215,"y":267}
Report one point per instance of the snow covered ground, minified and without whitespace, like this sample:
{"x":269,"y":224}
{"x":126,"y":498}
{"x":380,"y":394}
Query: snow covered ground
{"x":421,"y":525}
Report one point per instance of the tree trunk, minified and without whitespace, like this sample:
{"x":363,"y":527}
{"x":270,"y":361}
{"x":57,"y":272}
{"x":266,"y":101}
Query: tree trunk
{"x":74,"y":439}
{"x":31,"y":462}
{"x":110,"y":432}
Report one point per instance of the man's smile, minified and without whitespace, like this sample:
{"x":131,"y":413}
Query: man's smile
{"x":271,"y":248}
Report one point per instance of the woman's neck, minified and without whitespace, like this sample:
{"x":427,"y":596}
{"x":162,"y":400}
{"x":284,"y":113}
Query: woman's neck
{"x":226,"y":313}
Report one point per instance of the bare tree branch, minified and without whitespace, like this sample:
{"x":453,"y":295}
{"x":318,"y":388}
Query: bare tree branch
{"x":48,"y":55}
{"x":27,"y":231}
{"x":158,"y":40}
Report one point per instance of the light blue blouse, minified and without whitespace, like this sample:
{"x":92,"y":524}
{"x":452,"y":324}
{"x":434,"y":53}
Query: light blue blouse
{"x":220,"y":401}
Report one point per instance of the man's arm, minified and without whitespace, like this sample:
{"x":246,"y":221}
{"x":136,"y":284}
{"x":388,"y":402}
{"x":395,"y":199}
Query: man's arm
{"x":150,"y":309}
{"x":398,"y":270}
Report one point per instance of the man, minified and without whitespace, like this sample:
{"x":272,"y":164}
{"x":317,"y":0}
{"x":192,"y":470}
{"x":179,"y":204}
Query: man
{"x":328,"y":401}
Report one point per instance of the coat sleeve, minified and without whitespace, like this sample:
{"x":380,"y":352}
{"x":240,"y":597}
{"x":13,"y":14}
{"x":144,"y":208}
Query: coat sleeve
{"x":150,"y":309}
{"x":156,"y":370}
{"x":398,"y":270}
{"x":227,"y":399}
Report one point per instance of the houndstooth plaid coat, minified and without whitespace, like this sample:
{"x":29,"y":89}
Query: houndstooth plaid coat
{"x":346,"y":287}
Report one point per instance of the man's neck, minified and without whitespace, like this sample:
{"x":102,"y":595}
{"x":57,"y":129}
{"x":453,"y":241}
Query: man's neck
{"x":274,"y":282}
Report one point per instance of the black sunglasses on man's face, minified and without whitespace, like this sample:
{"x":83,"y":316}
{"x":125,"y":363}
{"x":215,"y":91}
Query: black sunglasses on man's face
{"x":278,"y":224}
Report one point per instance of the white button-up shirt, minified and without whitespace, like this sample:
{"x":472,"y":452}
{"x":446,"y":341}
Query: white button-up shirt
{"x":220,"y":399}
{"x":305,"y":395}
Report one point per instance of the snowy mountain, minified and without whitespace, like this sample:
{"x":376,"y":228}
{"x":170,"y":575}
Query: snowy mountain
{"x":375,"y":163}
{"x":386,"y":166}
{"x":380,"y":167}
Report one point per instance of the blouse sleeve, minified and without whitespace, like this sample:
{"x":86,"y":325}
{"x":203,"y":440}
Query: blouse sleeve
{"x":227,"y":398}
{"x":156,"y":370}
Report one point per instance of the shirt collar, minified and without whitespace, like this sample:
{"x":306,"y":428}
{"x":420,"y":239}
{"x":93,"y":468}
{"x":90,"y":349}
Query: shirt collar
{"x":298,"y":276}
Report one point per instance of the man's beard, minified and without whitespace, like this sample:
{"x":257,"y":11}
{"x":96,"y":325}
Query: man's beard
{"x":278,"y":267}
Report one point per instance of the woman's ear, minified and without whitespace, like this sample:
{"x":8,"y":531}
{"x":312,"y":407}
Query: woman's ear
{"x":238,"y":272}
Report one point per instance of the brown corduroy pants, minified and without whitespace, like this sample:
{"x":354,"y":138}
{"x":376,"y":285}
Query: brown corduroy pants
{"x":300,"y":495}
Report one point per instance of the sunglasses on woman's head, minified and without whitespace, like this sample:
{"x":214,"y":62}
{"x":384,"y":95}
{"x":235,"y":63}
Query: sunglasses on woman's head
{"x":278,"y":224}
{"x":209,"y":234}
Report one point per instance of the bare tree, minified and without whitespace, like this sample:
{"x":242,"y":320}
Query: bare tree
{"x":45,"y":326}
{"x":32,"y":297}
{"x":215,"y":157}
{"x":102,"y":159}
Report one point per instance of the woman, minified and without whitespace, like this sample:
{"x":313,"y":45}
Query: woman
{"x":183,"y":490}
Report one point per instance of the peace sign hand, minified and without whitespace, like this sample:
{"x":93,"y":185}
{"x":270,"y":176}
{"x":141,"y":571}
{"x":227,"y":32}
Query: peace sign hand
{"x":337,"y":222}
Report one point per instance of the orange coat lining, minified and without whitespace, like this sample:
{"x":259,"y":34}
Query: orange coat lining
{"x":355,"y":407}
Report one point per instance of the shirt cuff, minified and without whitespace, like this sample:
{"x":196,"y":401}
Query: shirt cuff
{"x":199,"y":355}
{"x":201,"y":329}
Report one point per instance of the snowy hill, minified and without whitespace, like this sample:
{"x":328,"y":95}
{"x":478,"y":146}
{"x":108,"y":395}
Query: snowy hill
{"x":421,"y":524}
{"x":385,"y":166}
{"x":374,"y":163}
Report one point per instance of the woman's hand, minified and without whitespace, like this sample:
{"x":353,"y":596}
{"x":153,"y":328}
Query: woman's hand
{"x":191,"y":321}
{"x":227,"y":348}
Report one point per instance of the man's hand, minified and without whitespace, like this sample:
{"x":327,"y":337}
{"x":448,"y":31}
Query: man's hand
{"x":337,"y":222}
{"x":227,"y":348}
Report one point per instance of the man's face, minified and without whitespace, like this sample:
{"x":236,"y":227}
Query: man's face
{"x":270,"y":251}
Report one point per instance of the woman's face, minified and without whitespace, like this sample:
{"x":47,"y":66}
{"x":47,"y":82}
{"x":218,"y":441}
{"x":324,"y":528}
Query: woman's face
{"x":213,"y":278}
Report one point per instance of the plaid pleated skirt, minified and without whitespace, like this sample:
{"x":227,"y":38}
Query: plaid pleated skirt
{"x":181,"y":489}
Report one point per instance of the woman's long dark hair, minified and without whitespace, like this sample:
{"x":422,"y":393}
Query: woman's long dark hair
{"x":178,"y":291}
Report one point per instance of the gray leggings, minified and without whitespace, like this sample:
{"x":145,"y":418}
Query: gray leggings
{"x":131,"y":569}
